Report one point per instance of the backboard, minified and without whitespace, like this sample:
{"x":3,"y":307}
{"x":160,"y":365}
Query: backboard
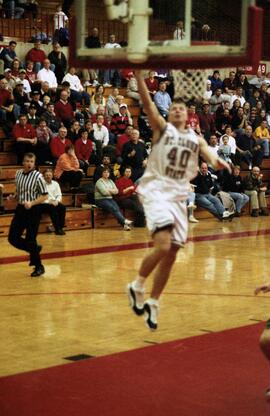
{"x":166,"y":33}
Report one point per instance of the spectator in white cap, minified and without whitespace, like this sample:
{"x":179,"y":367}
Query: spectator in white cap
{"x":26,"y":83}
{"x":208,"y":93}
{"x":11,"y":81}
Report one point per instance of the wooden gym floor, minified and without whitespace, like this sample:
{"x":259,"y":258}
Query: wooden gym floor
{"x":80,"y":306}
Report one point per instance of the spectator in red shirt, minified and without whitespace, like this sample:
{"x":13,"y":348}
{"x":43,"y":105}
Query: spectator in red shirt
{"x":127,"y":198}
{"x":120,"y":120}
{"x":31,"y":75}
{"x":152,"y":83}
{"x":207,"y":122}
{"x":121,"y":140}
{"x":193,"y":119}
{"x":83,"y":150}
{"x":26,"y":138}
{"x":59,"y":143}
{"x":63,"y":109}
{"x":36,"y":55}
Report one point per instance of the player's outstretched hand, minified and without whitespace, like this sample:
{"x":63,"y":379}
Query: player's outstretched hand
{"x":221,"y":164}
{"x":263,"y":288}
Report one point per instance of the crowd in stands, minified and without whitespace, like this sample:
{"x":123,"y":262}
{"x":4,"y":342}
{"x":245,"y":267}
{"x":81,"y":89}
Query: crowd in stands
{"x":46,"y":107}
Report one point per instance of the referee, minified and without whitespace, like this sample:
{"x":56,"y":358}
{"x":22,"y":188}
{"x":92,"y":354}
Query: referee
{"x":31,"y":191}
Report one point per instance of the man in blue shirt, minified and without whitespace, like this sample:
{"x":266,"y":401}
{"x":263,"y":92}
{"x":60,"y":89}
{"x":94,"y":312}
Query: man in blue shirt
{"x":163,"y":100}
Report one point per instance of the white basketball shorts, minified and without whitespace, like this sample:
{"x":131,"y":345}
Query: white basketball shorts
{"x":160,"y":214}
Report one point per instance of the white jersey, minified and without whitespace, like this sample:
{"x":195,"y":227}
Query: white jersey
{"x":172,"y":164}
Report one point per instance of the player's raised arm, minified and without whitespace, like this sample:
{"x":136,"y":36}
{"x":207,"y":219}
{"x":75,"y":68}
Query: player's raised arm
{"x":212,"y":159}
{"x":156,"y":121}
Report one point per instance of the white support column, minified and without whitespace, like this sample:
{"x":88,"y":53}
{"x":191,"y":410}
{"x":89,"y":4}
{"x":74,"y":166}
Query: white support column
{"x":138,"y":30}
{"x":80,"y":8}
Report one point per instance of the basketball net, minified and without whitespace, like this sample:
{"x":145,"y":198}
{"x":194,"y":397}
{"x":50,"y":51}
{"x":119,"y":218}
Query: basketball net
{"x":190,"y":84}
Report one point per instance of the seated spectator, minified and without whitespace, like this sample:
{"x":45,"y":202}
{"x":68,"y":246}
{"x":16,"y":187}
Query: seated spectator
{"x":239,"y":120}
{"x":45,"y":90}
{"x":213,"y":147}
{"x":63,"y":109}
{"x":44,"y":136}
{"x":207,"y":122}
{"x":101,"y":135}
{"x":59,"y":143}
{"x":31,"y":75}
{"x":162,"y":100}
{"x":247,"y":149}
{"x":255,"y":189}
{"x":193,"y":119}
{"x":208,"y":92}
{"x":254,"y":98}
{"x":105,"y":189}
{"x":83,"y":150}
{"x":120,"y":121}
{"x":229,"y":84}
{"x":76,"y":87}
{"x":179,"y":32}
{"x":74,"y":132}
{"x":26,"y":83}
{"x":242,"y":82}
{"x":233,"y":185}
{"x":216,"y":82}
{"x":106,"y":163}
{"x":15,"y":68}
{"x":67,"y":170}
{"x":134,"y":154}
{"x":132,"y":88}
{"x":8,"y":54}
{"x":59,"y":61}
{"x":32,"y":117}
{"x":262,"y":137}
{"x":238,"y":96}
{"x":47,"y":75}
{"x":152,"y":83}
{"x":222,"y":121}
{"x":36,"y":102}
{"x":52,"y":121}
{"x":204,"y":184}
{"x":53,"y":205}
{"x":231,"y":142}
{"x":122,"y":140}
{"x":36,"y":55}
{"x":21,"y":99}
{"x":127,"y":197}
{"x":11,"y":81}
{"x":236,"y":105}
{"x":101,"y":112}
{"x":216,"y":100}
{"x":224,"y":149}
{"x":98,"y":99}
{"x":26,"y":138}
{"x":111,"y":102}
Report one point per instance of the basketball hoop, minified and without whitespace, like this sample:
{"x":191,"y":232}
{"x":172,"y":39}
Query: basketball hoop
{"x":190,"y":84}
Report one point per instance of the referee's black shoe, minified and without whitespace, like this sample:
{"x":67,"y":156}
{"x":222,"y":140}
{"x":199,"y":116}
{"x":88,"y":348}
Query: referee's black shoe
{"x":38,"y":271}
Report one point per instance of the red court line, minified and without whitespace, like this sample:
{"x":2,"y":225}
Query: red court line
{"x":237,"y":295}
{"x":133,"y":246}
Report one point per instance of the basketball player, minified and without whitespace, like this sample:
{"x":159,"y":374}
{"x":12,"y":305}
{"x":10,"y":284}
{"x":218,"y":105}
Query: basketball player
{"x":265,"y":336}
{"x":163,"y":190}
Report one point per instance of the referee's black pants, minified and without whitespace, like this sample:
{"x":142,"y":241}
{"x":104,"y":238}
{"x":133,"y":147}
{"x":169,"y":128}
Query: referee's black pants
{"x":26,"y":220}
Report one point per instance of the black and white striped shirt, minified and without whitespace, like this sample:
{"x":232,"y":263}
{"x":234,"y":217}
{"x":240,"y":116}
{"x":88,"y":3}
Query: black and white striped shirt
{"x":29,"y":186}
